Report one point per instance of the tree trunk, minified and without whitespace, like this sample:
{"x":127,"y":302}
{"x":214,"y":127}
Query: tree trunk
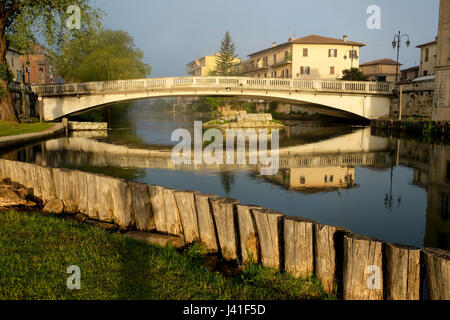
{"x":7,"y":112}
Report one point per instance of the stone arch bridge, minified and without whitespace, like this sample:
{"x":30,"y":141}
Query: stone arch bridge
{"x":348,"y":99}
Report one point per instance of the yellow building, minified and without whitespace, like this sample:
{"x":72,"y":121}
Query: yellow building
{"x":382,"y":69}
{"x":203,"y":66}
{"x":322,"y":178}
{"x":442,"y":91}
{"x":310,"y":57}
{"x":427,"y":58}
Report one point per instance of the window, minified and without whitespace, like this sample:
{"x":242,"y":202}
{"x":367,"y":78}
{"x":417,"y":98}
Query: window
{"x":302,"y":180}
{"x":332,"y":70}
{"x":265,"y":61}
{"x":265,"y":74}
{"x":304,"y":70}
{"x":353,"y":54}
{"x":332,"y":53}
{"x":425,"y":73}
{"x":427,"y":53}
{"x":305,"y":52}
{"x":287,"y":73}
{"x":274,"y":59}
{"x":12,"y":62}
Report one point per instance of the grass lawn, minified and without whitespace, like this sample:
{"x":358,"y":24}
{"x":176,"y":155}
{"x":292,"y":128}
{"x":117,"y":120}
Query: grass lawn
{"x":11,"y":128}
{"x":36,"y":250}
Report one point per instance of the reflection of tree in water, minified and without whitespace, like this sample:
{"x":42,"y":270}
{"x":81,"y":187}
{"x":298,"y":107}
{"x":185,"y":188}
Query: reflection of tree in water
{"x":227,"y":179}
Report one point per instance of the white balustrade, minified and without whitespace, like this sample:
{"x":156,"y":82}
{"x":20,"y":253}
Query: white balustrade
{"x":140,"y":85}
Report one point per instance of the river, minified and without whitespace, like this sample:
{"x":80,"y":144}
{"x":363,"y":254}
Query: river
{"x":392,"y":189}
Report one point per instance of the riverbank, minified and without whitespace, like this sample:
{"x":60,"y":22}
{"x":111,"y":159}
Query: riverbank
{"x":37,"y":249}
{"x":420,"y":128}
{"x":11,"y":128}
{"x":19,"y":139}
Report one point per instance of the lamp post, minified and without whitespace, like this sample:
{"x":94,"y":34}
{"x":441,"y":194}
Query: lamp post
{"x":396,"y":43}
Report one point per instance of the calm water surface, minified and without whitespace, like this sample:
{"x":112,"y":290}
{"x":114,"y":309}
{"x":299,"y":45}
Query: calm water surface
{"x":391,"y":189}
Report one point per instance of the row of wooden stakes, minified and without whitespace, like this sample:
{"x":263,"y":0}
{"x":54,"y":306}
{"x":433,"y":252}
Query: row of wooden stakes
{"x":352,"y":266}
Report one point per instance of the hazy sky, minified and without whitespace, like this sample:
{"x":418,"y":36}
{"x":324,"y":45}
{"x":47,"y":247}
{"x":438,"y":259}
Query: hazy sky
{"x":174,"y":32}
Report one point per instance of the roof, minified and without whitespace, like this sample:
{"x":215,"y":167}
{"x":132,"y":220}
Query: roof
{"x":313,"y":39}
{"x":411,"y":69}
{"x":386,"y":61}
{"x":426,"y":78}
{"x":427,"y":44}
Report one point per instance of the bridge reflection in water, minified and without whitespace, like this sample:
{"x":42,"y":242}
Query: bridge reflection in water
{"x":329,"y":166}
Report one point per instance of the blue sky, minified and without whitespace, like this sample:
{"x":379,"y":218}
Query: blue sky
{"x":174,"y":32}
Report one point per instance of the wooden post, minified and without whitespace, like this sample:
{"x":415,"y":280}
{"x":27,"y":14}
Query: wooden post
{"x":188,"y":215}
{"x":173,"y":220}
{"x":157,"y":201}
{"x":400,"y":103}
{"x":402,"y":272}
{"x":298,"y":246}
{"x":363,"y":268}
{"x":224,"y":216}
{"x":328,"y":256}
{"x":270,"y":231}
{"x":142,"y":206}
{"x":437,"y":269}
{"x":206,"y":226}
{"x":248,"y":234}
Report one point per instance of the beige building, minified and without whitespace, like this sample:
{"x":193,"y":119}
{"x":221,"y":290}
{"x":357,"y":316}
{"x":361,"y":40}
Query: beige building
{"x":427,"y":58}
{"x":202,"y":67}
{"x":310,"y":57}
{"x":382,"y":69}
{"x":322,"y":178}
{"x":442,"y":92}
{"x":409,"y":74}
{"x":14,"y":64}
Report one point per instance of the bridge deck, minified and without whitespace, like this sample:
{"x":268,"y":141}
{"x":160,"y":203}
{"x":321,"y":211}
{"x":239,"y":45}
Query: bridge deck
{"x":230,"y":83}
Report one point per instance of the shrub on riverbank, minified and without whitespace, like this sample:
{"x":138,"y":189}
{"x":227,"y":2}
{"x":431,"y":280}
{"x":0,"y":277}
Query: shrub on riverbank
{"x":36,"y":250}
{"x":11,"y":128}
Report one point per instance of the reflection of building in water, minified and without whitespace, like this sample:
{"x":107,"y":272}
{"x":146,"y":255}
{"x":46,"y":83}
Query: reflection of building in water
{"x":314,"y":180}
{"x":431,"y":171}
{"x":438,"y":188}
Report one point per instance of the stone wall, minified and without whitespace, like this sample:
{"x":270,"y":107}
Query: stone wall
{"x":360,"y":267}
{"x":418,"y":99}
{"x":17,"y":97}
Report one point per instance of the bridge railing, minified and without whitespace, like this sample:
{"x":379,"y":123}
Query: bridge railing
{"x":139,"y":85}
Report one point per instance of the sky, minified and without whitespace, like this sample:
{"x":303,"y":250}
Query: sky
{"x":172,"y":33}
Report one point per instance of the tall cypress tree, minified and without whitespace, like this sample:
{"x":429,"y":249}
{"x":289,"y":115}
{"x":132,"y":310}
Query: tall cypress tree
{"x":226,"y":57}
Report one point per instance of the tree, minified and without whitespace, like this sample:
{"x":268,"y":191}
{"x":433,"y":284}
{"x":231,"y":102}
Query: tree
{"x":354,"y":74}
{"x":226,"y":57}
{"x":22,"y":21}
{"x":102,"y":56}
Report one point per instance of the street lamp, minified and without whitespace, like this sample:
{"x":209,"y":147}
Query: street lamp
{"x":396,"y":43}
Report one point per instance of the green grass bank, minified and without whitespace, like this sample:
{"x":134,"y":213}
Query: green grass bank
{"x":11,"y":128}
{"x":37,"y":249}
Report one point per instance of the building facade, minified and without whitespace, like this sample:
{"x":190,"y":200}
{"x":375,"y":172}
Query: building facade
{"x":14,"y":64}
{"x":382,"y":69}
{"x":202,"y":67}
{"x":409,"y":74}
{"x":38,"y":65}
{"x":427,"y":59}
{"x":310,"y":57}
{"x":442,"y":91}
